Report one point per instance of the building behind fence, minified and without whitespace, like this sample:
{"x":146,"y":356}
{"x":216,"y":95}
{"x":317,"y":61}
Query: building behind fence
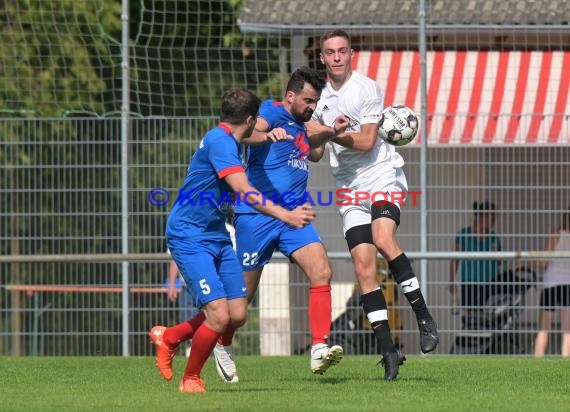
{"x":80,"y":159}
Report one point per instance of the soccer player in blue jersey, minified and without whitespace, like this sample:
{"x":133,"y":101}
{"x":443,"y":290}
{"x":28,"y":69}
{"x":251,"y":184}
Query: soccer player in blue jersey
{"x":200,"y":243}
{"x":278,"y":165}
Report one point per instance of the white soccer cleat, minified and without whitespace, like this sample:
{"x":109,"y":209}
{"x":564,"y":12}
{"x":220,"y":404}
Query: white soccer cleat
{"x":323,"y":357}
{"x":225,"y":364}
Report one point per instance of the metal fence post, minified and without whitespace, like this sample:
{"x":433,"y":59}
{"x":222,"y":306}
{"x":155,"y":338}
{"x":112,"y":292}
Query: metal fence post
{"x":423,"y":148}
{"x":125,"y":113}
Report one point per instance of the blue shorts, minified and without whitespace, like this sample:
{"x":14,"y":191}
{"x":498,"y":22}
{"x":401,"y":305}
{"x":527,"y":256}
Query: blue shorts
{"x":210,"y":269}
{"x":258,"y":235}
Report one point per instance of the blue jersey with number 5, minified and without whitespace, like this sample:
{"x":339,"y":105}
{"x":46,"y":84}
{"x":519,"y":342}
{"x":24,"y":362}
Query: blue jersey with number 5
{"x":201,"y":206}
{"x":196,"y":228}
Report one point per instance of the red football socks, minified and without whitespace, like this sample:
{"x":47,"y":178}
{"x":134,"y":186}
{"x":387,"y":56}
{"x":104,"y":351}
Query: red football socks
{"x":227,"y":336}
{"x":203,"y":344}
{"x":320,"y":313}
{"x":183,"y":331}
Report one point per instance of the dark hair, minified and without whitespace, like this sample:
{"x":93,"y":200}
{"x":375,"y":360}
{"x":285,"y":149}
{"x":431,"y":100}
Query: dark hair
{"x":483,"y":207}
{"x":238,"y":104}
{"x":334,"y":33}
{"x":306,"y":75}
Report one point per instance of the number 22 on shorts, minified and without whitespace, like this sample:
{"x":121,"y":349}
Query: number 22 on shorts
{"x":249,"y":259}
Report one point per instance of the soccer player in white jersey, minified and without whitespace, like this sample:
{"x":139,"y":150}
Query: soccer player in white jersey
{"x":361,"y":162}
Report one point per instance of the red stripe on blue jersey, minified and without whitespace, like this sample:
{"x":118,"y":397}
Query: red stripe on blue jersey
{"x":230,"y":171}
{"x":201,"y":206}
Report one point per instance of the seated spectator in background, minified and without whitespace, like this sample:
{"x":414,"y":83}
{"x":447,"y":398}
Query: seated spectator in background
{"x":476,"y":274}
{"x":556,"y":290}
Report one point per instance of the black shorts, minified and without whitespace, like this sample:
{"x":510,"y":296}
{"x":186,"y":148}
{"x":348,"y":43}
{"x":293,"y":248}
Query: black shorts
{"x":558,"y":296}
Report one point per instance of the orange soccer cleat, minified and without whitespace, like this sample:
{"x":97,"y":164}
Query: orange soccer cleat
{"x":164,"y":353}
{"x":192,"y":384}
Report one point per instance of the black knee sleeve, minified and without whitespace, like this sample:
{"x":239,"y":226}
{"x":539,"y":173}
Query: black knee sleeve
{"x":386,"y":209}
{"x":358,"y":234}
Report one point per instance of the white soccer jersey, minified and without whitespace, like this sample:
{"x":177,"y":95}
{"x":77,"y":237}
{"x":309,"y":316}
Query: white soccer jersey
{"x":361,"y":100}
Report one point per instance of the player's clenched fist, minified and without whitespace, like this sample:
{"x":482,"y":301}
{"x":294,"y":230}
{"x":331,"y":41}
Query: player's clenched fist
{"x":340,"y":124}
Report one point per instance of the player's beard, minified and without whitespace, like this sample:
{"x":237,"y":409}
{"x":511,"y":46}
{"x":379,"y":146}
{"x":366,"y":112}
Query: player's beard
{"x":303,"y":117}
{"x":307,"y":115}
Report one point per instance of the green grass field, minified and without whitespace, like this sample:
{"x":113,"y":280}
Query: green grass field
{"x":431,"y":383}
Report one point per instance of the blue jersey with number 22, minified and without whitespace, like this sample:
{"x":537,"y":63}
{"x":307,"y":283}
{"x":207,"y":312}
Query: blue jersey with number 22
{"x":279,"y":170}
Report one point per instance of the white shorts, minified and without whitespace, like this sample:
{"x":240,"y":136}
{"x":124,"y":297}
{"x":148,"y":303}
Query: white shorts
{"x":355,"y":203}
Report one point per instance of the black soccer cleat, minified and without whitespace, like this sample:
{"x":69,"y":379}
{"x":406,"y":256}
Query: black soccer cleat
{"x":391,"y":363}
{"x":428,"y":335}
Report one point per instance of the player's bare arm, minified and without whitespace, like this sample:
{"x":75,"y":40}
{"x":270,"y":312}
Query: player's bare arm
{"x":262,"y":134}
{"x":298,"y":217}
{"x":171,"y":291}
{"x":320,"y":134}
{"x":363,"y":140}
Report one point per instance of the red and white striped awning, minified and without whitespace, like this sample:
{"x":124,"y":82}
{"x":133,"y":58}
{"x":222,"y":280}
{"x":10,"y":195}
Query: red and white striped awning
{"x":480,"y":97}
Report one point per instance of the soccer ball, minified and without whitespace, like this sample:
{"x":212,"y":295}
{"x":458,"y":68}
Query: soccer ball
{"x":398,"y":125}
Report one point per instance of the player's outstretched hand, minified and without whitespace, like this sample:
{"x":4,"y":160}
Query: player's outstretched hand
{"x":340,"y":124}
{"x":278,"y":134}
{"x":301,"y":216}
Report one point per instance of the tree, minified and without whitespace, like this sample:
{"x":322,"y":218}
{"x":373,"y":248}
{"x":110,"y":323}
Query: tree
{"x":53,"y":55}
{"x":186,"y":53}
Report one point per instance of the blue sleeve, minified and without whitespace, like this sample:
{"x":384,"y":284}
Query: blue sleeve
{"x":224,"y":156}
{"x":267,"y":111}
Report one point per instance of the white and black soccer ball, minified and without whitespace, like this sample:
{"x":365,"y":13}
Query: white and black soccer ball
{"x":398,"y":125}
